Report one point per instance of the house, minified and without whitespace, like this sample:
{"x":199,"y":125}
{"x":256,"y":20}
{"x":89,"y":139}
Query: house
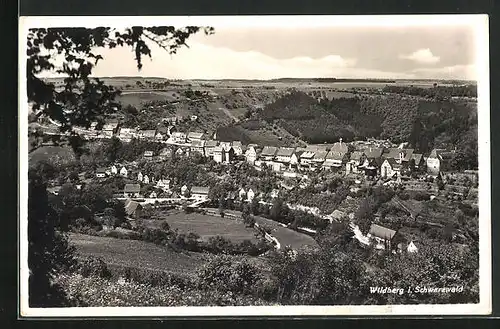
{"x":412,"y":248}
{"x":400,"y":155}
{"x":193,"y":136}
{"x":242,"y":194}
{"x":268,"y":153}
{"x":237,"y":147}
{"x":148,"y":155}
{"x":374,"y":153}
{"x":145,"y":180}
{"x":438,"y":160}
{"x":133,"y":209}
{"x":198,"y":146}
{"x":319,"y":157}
{"x":199,"y":192}
{"x":165,"y":153}
{"x":153,"y":195}
{"x":306,"y":158}
{"x":184,"y":190}
{"x":160,"y":136}
{"x":110,"y":129}
{"x":337,"y":215}
{"x":250,"y":195}
{"x":163,"y":184}
{"x":381,"y":235}
{"x":357,"y":160}
{"x":210,"y":145}
{"x":223,"y":154}
{"x":124,"y":172}
{"x":147,"y":134}
{"x":139,"y":177}
{"x":93,"y":125}
{"x":284,"y":155}
{"x":419,"y":161}
{"x":126,"y":134}
{"x":162,"y":133}
{"x":218,"y":154}
{"x":114,"y":170}
{"x":274,"y":193}
{"x":100,"y":173}
{"x":389,"y":168}
{"x":132,"y":191}
{"x":182,"y":151}
{"x":251,"y":155}
{"x":179,"y":137}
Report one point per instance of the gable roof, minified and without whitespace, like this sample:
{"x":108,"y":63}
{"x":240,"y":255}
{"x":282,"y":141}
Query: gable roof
{"x":285,"y":151}
{"x":148,"y":133}
{"x":200,"y":189}
{"x":166,"y":151}
{"x":131,"y":206}
{"x":269,"y":151}
{"x":340,"y":147}
{"x":337,"y":214}
{"x":101,"y":170}
{"x":320,"y":155}
{"x":195,"y":135}
{"x":381,"y":232}
{"x":236,"y":144}
{"x":417,"y":157}
{"x":373,"y":152}
{"x":334,"y":155}
{"x":211,"y":143}
{"x":392,"y":162}
{"x":441,"y":154}
{"x":198,"y":143}
{"x":307,"y":155}
{"x":357,"y":155}
{"x":394,"y":153}
{"x":132,"y":188}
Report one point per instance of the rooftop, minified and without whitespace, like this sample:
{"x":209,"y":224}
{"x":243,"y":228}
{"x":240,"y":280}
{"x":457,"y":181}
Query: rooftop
{"x":381,"y":232}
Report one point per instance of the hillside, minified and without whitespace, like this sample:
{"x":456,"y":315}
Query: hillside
{"x":425,"y":123}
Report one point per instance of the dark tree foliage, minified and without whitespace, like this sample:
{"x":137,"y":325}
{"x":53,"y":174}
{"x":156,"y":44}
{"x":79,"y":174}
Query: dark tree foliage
{"x":49,"y":251}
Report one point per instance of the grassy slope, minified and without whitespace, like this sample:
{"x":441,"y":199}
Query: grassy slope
{"x":136,"y":253}
{"x":206,"y":226}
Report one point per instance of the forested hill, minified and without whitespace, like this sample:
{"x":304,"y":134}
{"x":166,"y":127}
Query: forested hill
{"x":424,"y":123}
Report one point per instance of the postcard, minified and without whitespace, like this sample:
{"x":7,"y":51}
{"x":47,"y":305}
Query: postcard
{"x":254,"y":166}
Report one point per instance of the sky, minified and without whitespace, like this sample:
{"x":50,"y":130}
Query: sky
{"x":412,"y":52}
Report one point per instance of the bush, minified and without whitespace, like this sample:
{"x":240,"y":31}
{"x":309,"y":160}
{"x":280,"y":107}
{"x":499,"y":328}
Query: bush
{"x":94,"y":266}
{"x":422,"y":196}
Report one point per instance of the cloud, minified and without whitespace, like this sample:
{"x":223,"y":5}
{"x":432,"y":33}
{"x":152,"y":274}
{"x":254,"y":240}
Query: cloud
{"x":422,"y":56}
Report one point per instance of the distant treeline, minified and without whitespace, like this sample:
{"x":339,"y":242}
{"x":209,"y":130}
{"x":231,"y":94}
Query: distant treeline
{"x":439,"y":92}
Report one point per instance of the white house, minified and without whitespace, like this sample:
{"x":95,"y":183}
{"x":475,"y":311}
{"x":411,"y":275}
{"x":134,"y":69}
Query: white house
{"x":132,"y":190}
{"x":210,"y":145}
{"x":251,"y":155}
{"x":306,"y":158}
{"x":148,"y":155}
{"x":179,"y":137}
{"x":100,"y":173}
{"x":412,"y":248}
{"x":237,"y":147}
{"x":199,"y":193}
{"x":389,"y":168}
{"x":381,"y":235}
{"x":124,"y":172}
{"x":242,"y":193}
{"x":163,"y":184}
{"x":184,"y":190}
{"x":284,"y":155}
{"x":114,"y":170}
{"x":139,"y":177}
{"x":146,"y":179}
{"x":153,"y":195}
{"x":438,"y":161}
{"x":194,"y":136}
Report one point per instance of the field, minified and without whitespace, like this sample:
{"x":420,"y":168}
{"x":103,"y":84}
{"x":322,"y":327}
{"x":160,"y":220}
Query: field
{"x":285,"y":236}
{"x":132,"y":253}
{"x":54,"y":154}
{"x":136,"y":98}
{"x":206,"y":226}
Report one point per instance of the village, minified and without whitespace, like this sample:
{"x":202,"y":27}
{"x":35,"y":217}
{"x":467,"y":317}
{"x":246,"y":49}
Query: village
{"x":368,"y":163}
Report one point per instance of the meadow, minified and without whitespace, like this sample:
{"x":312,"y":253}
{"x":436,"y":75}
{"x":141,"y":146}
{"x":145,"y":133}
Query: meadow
{"x":138,"y":254}
{"x":205,"y":226}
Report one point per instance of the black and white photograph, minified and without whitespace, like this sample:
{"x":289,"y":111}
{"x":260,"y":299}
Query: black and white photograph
{"x":254,"y":166}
